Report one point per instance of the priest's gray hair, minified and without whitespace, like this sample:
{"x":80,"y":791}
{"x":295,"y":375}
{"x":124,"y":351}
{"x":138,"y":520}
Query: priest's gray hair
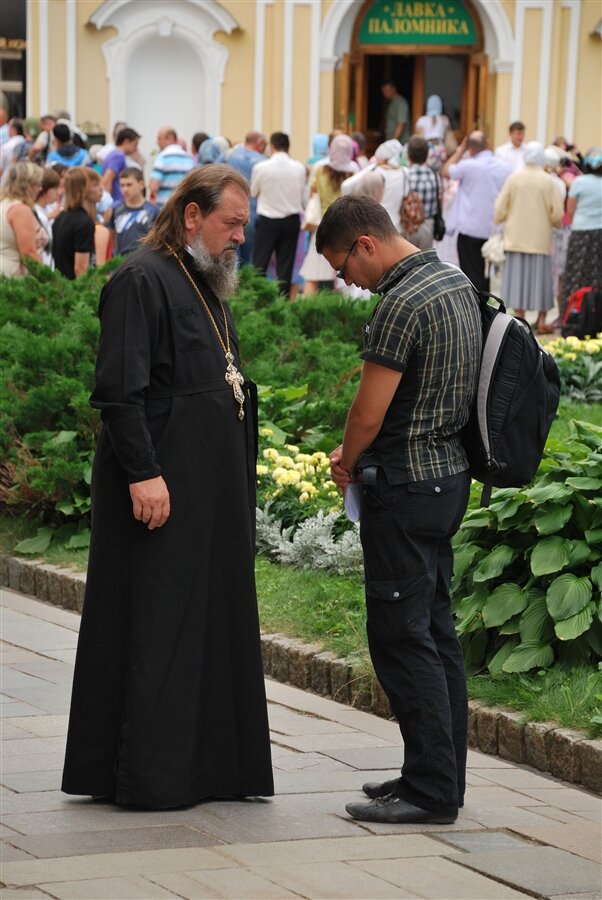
{"x":203,"y":186}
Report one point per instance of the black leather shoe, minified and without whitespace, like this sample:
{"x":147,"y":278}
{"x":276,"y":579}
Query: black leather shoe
{"x":394,"y":811}
{"x":375,"y":789}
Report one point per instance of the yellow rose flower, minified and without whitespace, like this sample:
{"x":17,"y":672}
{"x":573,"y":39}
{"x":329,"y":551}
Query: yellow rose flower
{"x":266,"y":432}
{"x":270,"y":453}
{"x":262,"y":470}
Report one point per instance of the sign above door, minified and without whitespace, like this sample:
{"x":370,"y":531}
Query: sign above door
{"x":447,"y":22}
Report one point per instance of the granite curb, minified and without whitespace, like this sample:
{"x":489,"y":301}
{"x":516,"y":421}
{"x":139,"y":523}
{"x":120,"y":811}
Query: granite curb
{"x":544,"y":746}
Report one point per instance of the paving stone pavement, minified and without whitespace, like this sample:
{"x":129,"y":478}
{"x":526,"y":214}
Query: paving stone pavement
{"x":520,"y":834}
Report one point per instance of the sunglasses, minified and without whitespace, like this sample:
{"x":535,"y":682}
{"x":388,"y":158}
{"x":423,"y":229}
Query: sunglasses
{"x":341,"y":272}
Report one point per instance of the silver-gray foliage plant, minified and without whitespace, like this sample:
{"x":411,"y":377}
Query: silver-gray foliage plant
{"x":312,"y":545}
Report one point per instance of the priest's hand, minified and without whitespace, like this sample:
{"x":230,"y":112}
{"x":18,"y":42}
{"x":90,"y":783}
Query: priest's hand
{"x":150,"y":501}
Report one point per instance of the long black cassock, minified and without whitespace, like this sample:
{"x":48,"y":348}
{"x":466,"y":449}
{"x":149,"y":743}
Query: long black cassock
{"x":168,"y":703}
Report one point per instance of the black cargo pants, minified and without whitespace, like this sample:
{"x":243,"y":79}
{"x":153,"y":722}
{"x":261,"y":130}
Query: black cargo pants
{"x":406,"y":532}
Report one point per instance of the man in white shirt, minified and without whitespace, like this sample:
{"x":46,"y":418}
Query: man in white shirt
{"x":278,"y":183}
{"x":513,"y":151}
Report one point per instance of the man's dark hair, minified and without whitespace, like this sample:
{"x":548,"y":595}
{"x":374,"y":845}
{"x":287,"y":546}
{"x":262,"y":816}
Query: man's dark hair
{"x":17,"y":124}
{"x":418,"y":149}
{"x":359,"y":138}
{"x":517,"y":126}
{"x":203,"y":186}
{"x":348,"y":218}
{"x":132,"y":172}
{"x":279,"y":141}
{"x":198,"y":139}
{"x":62,"y":133}
{"x":126,"y":134}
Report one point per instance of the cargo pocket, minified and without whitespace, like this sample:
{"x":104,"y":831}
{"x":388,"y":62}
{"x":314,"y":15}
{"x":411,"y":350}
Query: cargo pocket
{"x":432,"y":505}
{"x":398,"y":608}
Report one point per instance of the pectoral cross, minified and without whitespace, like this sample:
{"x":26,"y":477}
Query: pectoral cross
{"x":236,"y":381}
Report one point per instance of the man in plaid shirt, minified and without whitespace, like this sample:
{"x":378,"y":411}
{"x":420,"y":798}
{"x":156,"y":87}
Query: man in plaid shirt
{"x":402,"y":441}
{"x":423,"y":180}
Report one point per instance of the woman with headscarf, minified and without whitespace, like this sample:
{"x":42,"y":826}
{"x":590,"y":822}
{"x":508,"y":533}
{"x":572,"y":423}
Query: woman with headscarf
{"x":584,"y":253}
{"x":436,"y":129}
{"x":319,"y":149}
{"x":387,"y":161}
{"x":434,"y":125}
{"x":212,"y":150}
{"x":326,"y":181}
{"x":529,"y":205}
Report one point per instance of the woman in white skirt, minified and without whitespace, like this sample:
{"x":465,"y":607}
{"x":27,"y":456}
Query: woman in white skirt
{"x":529,"y":205}
{"x":326,"y":181}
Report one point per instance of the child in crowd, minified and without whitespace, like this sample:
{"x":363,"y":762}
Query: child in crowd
{"x":132,"y":219}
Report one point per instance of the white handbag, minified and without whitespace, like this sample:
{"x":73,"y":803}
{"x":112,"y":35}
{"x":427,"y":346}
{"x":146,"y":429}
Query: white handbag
{"x":492,"y":250}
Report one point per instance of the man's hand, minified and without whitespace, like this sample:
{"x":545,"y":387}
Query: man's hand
{"x":150,"y":501}
{"x":341,"y":477}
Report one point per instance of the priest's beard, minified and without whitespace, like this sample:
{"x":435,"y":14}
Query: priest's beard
{"x":221,"y":272}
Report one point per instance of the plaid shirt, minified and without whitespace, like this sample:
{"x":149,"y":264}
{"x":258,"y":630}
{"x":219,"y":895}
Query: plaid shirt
{"x":428,"y":326}
{"x":423,"y":180}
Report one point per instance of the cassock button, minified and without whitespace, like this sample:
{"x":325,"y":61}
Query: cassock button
{"x":437,"y":490}
{"x":396,"y":593}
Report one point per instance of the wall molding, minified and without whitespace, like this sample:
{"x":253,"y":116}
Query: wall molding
{"x":194,"y":22}
{"x":337,"y":29}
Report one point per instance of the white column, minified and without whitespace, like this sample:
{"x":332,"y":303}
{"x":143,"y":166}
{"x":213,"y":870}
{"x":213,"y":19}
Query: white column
{"x":28,"y":60}
{"x":570,"y":97}
{"x":545,"y":73}
{"x":71,"y":61}
{"x":314,"y":83}
{"x":288,"y":54}
{"x":544,"y":63}
{"x":260,"y":7}
{"x":43,"y":56}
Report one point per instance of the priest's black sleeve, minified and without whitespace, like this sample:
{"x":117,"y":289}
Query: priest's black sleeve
{"x":128,"y":332}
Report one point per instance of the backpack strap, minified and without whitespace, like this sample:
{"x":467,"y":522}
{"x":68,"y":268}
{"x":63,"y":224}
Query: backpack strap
{"x":493,"y":342}
{"x":486,"y":494}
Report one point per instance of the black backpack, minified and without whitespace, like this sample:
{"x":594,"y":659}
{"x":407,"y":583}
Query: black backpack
{"x":516,"y":401}
{"x":583,"y":316}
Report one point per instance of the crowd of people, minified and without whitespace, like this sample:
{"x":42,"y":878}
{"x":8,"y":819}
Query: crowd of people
{"x":71,"y":206}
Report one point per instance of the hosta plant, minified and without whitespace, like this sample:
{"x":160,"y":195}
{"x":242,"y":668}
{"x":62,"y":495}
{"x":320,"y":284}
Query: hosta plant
{"x":528,"y":569}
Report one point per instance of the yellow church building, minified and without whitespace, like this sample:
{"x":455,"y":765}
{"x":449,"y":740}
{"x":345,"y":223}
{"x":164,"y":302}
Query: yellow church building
{"x":306,"y":66}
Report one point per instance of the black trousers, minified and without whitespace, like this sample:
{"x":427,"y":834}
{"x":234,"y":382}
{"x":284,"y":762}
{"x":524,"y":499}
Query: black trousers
{"x":406,"y":533}
{"x":277,"y":236}
{"x":471,"y":261}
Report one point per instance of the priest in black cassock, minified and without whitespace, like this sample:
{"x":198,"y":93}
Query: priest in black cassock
{"x":168,"y":704}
